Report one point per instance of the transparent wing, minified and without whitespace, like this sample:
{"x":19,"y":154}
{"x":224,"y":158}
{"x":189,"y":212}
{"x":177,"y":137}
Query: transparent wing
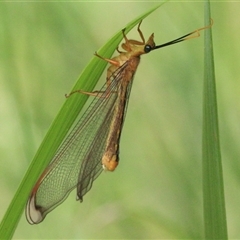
{"x":77,"y":162}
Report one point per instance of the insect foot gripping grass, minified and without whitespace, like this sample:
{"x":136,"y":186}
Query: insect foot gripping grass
{"x":93,"y":144}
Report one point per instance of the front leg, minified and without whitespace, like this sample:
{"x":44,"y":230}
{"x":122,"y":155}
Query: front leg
{"x":111,"y":61}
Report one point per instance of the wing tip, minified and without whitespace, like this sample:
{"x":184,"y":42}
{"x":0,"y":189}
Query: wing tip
{"x":33,"y":213}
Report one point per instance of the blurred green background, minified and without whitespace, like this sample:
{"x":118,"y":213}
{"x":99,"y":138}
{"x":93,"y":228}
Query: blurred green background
{"x":156,"y":192}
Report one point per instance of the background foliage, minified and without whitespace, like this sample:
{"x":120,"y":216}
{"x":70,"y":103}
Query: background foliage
{"x":156,"y":192}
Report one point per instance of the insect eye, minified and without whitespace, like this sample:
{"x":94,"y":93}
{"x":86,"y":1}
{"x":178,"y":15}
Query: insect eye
{"x":147,"y":48}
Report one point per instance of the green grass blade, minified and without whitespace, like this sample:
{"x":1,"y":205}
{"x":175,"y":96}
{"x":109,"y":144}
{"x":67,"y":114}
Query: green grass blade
{"x":60,"y":126}
{"x":213,"y":189}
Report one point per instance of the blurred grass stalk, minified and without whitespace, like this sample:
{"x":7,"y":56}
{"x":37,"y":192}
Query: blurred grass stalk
{"x":213,"y":190}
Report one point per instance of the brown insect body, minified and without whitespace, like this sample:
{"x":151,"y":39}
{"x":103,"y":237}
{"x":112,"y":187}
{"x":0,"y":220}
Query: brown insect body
{"x":134,"y":49}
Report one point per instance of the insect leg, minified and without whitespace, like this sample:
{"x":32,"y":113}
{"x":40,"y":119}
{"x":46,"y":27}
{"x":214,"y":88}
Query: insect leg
{"x":111,"y":61}
{"x":94,"y":93}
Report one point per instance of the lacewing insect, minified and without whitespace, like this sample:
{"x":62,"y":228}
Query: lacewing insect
{"x":93,"y":144}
